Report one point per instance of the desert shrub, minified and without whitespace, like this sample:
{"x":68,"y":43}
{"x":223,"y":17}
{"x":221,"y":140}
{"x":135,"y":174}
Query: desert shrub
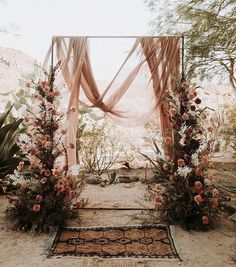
{"x":228,"y":131}
{"x":98,"y":148}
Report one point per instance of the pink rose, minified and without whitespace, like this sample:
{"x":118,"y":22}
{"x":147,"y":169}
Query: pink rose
{"x":26,"y":121}
{"x":198,"y":185}
{"x":205,"y":220}
{"x":38,"y":97}
{"x":39,"y":198}
{"x":198,"y":199}
{"x":210,"y":129}
{"x":53,"y":112}
{"x":36,"y":208}
{"x":191,"y":95}
{"x":185,"y":86}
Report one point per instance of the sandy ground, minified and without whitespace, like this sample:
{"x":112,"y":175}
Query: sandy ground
{"x":214,"y":248}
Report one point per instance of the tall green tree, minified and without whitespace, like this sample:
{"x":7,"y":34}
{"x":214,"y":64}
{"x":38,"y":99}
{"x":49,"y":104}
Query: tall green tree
{"x":209,"y":27}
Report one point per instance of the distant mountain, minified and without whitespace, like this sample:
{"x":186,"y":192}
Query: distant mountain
{"x":13,"y":63}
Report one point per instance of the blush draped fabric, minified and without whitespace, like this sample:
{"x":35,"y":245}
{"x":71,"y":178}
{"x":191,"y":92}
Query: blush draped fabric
{"x":158,"y":58}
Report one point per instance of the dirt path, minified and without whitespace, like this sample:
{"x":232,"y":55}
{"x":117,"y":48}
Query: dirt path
{"x":214,"y":248}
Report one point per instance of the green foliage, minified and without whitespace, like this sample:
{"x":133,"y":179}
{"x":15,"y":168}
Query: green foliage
{"x":209,"y":27}
{"x":97,"y":146}
{"x":157,"y":164}
{"x":22,"y":99}
{"x":8,"y":147}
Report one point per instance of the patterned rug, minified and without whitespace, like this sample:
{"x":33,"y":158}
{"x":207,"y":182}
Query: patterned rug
{"x":115,"y":242}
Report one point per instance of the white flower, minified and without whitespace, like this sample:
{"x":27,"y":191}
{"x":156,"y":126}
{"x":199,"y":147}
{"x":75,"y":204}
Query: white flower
{"x":195,"y":159}
{"x":24,"y":138}
{"x":182,"y":140}
{"x":183,"y":129}
{"x":74,"y":169}
{"x":16,"y":178}
{"x":184,"y":171}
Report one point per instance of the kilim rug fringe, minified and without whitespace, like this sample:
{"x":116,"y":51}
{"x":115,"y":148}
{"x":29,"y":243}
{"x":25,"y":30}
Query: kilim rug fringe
{"x":121,"y":263}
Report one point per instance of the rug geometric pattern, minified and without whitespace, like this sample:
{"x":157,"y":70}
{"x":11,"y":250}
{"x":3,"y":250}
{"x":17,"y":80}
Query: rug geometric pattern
{"x":152,"y":241}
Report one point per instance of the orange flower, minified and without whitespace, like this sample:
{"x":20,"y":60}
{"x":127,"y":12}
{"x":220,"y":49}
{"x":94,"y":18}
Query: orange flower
{"x":158,"y":199}
{"x":36,"y":208}
{"x":214,"y":202}
{"x":60,"y":188}
{"x":205,"y":220}
{"x":204,"y":159}
{"x":20,"y":166}
{"x":181,"y":162}
{"x":211,"y":165}
{"x":165,"y":167}
{"x":198,"y":199}
{"x":23,"y":185}
{"x":198,"y":171}
{"x":185,"y":117}
{"x":157,"y":186}
{"x":198,"y":185}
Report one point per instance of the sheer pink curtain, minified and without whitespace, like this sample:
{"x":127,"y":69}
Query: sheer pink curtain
{"x":159,"y":55}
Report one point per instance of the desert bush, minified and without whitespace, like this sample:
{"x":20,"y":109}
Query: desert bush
{"x":228,"y":131}
{"x":98,"y":148}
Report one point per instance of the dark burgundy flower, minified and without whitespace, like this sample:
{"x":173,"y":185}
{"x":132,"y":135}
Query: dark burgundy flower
{"x":193,"y":108}
{"x":198,"y":101}
{"x":194,"y":144}
{"x":190,"y":130}
{"x":186,"y":142}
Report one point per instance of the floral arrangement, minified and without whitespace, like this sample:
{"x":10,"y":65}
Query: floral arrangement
{"x":187,"y":195}
{"x":47,"y":190}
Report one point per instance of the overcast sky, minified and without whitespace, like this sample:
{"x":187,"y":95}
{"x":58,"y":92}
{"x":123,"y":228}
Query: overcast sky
{"x":38,"y":21}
